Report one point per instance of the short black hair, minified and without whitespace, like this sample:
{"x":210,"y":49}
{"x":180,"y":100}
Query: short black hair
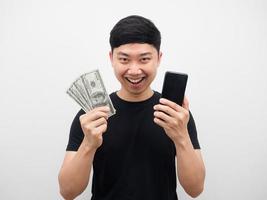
{"x":135,"y":29}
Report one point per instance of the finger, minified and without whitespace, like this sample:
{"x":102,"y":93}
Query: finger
{"x":101,"y":129}
{"x":160,"y":122}
{"x":100,"y":110}
{"x":105,"y":109}
{"x":93,"y":115}
{"x":99,"y":122}
{"x":169,"y":103}
{"x":166,"y":109}
{"x":162,"y":116}
{"x":186,"y":103}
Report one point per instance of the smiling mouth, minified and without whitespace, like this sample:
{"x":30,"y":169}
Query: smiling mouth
{"x":135,"y":81}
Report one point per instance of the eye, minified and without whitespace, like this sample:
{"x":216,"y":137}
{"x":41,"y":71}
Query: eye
{"x":123,"y":60}
{"x":145,"y":59}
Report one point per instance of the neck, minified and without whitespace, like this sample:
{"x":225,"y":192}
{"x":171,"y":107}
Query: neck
{"x":135,"y":97}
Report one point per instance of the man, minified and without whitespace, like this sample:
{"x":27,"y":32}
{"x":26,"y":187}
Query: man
{"x":133,"y":152}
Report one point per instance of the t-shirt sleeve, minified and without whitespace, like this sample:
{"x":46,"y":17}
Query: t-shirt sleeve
{"x":191,"y":126}
{"x":76,"y":134}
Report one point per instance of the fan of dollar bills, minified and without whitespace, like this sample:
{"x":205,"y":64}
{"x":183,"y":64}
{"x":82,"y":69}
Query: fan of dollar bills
{"x":89,"y":92}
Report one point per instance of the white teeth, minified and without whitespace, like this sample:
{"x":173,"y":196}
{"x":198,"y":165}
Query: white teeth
{"x":135,"y":80}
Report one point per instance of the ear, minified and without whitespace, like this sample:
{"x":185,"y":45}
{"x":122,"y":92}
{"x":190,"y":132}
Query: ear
{"x":111,"y":56}
{"x":159,"y":57}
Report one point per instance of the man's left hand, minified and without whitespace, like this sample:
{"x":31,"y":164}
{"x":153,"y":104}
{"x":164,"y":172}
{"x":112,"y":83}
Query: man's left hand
{"x":173,"y":118}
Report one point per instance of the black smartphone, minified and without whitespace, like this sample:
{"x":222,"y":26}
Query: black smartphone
{"x":174,"y":87}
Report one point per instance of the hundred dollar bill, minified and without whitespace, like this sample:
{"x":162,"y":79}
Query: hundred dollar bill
{"x":78,"y":97}
{"x":96,"y":90}
{"x":79,"y":85}
{"x":79,"y":101}
{"x":89,"y":92}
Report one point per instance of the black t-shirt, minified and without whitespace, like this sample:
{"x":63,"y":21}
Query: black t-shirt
{"x":136,"y":160}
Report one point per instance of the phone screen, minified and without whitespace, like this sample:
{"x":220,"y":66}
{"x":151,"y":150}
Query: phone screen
{"x":174,"y":86}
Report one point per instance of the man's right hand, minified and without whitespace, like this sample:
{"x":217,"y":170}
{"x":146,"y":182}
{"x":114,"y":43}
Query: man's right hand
{"x":94,"y":124}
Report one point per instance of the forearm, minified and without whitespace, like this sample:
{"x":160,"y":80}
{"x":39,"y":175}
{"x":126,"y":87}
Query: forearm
{"x":74,"y":174}
{"x":190,"y":167}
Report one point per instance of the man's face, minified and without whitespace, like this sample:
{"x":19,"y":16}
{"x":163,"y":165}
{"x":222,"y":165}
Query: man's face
{"x":135,"y":66}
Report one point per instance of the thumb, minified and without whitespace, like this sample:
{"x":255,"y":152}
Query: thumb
{"x":185,"y":103}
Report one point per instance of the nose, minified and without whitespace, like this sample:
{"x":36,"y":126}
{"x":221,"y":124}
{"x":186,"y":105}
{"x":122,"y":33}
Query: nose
{"x":134,"y":69}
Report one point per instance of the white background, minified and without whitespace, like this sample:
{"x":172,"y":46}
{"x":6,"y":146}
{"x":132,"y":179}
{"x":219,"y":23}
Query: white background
{"x":45,"y":45}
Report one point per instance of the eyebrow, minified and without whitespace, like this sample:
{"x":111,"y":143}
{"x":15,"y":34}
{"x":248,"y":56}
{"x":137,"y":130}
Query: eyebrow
{"x":145,"y":54}
{"x":122,"y":54}
{"x":125,"y":54}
